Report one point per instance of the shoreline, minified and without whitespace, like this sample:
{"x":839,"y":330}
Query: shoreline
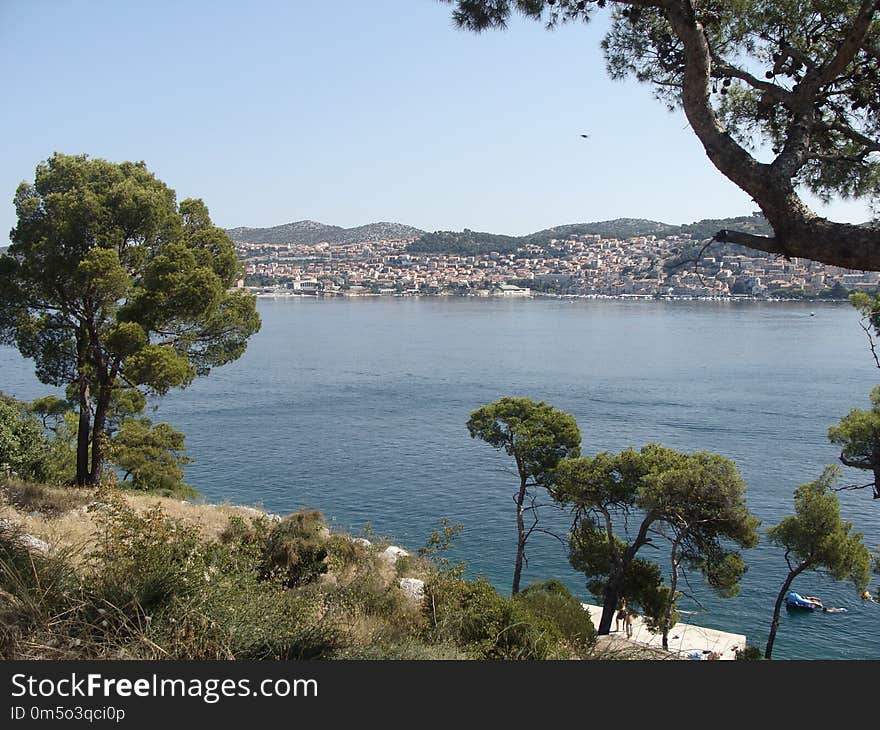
{"x":538,"y":295}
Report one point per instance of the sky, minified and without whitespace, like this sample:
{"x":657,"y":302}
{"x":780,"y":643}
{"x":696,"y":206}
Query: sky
{"x":350,"y":112}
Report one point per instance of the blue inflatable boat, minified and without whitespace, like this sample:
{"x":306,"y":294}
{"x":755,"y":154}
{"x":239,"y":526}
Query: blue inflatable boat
{"x":806,"y":603}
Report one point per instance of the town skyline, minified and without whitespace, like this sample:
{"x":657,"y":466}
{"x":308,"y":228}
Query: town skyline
{"x":581,"y":265}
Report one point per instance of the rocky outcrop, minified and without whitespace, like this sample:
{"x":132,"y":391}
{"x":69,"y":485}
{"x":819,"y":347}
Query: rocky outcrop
{"x":29,"y":541}
{"x":392,"y":554}
{"x":413,"y":588}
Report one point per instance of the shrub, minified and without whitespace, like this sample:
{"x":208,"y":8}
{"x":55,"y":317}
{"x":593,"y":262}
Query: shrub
{"x":151,"y":457}
{"x":552,"y":601}
{"x":22,"y":444}
{"x":38,"y":593}
{"x":407,"y":650}
{"x":47,"y":500}
{"x":750,"y":653}
{"x":473,"y":615}
{"x":344,"y":555}
{"x":158,"y":591}
{"x":438,"y":544}
{"x":237,"y":529}
{"x":296,"y":548}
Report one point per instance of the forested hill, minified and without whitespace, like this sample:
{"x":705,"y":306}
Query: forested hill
{"x":617,"y":228}
{"x":311,"y":232}
{"x":466,"y":243}
{"x":471,"y":243}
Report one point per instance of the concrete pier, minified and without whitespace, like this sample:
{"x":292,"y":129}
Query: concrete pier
{"x":686,"y":641}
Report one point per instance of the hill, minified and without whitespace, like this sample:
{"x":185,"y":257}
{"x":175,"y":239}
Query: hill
{"x":466,"y":243}
{"x":617,"y":228}
{"x":311,"y":232}
{"x":472,"y":243}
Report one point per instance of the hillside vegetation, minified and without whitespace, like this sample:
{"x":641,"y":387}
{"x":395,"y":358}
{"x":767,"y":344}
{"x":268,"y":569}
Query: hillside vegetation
{"x":312,"y":232}
{"x":473,"y":243}
{"x":116,"y":574}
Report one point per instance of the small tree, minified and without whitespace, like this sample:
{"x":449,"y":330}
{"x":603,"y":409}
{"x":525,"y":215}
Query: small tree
{"x":598,"y":489}
{"x":538,"y":437}
{"x":692,"y":500}
{"x":858,"y":434}
{"x":50,"y":410}
{"x":22,"y":444}
{"x":151,"y":456}
{"x":816,"y":538}
{"x":111,"y":286}
{"x":869,"y":308}
{"x":702,"y":501}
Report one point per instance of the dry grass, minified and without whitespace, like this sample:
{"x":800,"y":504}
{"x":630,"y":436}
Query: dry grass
{"x":46,"y":500}
{"x":64,"y":517}
{"x":620,"y":648}
{"x":359,"y":610}
{"x":210,"y":519}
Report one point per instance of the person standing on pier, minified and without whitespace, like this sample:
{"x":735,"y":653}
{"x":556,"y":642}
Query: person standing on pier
{"x":621,"y":615}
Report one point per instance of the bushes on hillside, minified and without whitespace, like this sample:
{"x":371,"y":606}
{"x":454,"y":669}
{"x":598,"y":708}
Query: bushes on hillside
{"x":22,"y":444}
{"x":553,"y":601}
{"x":150,"y":457}
{"x":34,"y":590}
{"x":154,"y":590}
{"x":295,"y":549}
{"x":534,"y":626}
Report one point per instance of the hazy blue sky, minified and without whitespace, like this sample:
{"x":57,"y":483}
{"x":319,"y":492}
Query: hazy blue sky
{"x":349,"y":112}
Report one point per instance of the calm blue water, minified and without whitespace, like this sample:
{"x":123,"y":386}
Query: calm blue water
{"x":358,"y":408}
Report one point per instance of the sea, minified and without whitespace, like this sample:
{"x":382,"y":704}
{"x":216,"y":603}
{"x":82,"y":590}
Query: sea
{"x":357,"y":407}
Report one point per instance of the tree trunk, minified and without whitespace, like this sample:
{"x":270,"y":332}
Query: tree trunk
{"x":98,"y":435}
{"x":799,"y":231}
{"x":83,"y":433}
{"x":615,"y":580}
{"x":609,"y":604}
{"x":673,"y":584}
{"x":778,"y":607}
{"x":520,"y":537}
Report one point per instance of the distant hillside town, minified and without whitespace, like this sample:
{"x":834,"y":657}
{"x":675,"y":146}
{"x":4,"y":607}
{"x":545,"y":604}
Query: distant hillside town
{"x":608,"y":259}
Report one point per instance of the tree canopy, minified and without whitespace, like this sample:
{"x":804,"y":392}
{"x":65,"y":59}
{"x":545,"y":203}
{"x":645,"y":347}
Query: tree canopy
{"x":151,"y":456}
{"x":692,"y":502}
{"x":538,"y":436}
{"x":111,"y":287}
{"x":781,"y":94}
{"x":858,"y":435}
{"x":816,"y":538}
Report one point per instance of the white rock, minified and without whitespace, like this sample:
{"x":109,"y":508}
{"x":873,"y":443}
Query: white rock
{"x":252,"y":510}
{"x":35,"y":544}
{"x":392,"y":553}
{"x":361,"y":541}
{"x":324,"y":533}
{"x":257,"y":513}
{"x":413,"y":587}
{"x":29,"y":541}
